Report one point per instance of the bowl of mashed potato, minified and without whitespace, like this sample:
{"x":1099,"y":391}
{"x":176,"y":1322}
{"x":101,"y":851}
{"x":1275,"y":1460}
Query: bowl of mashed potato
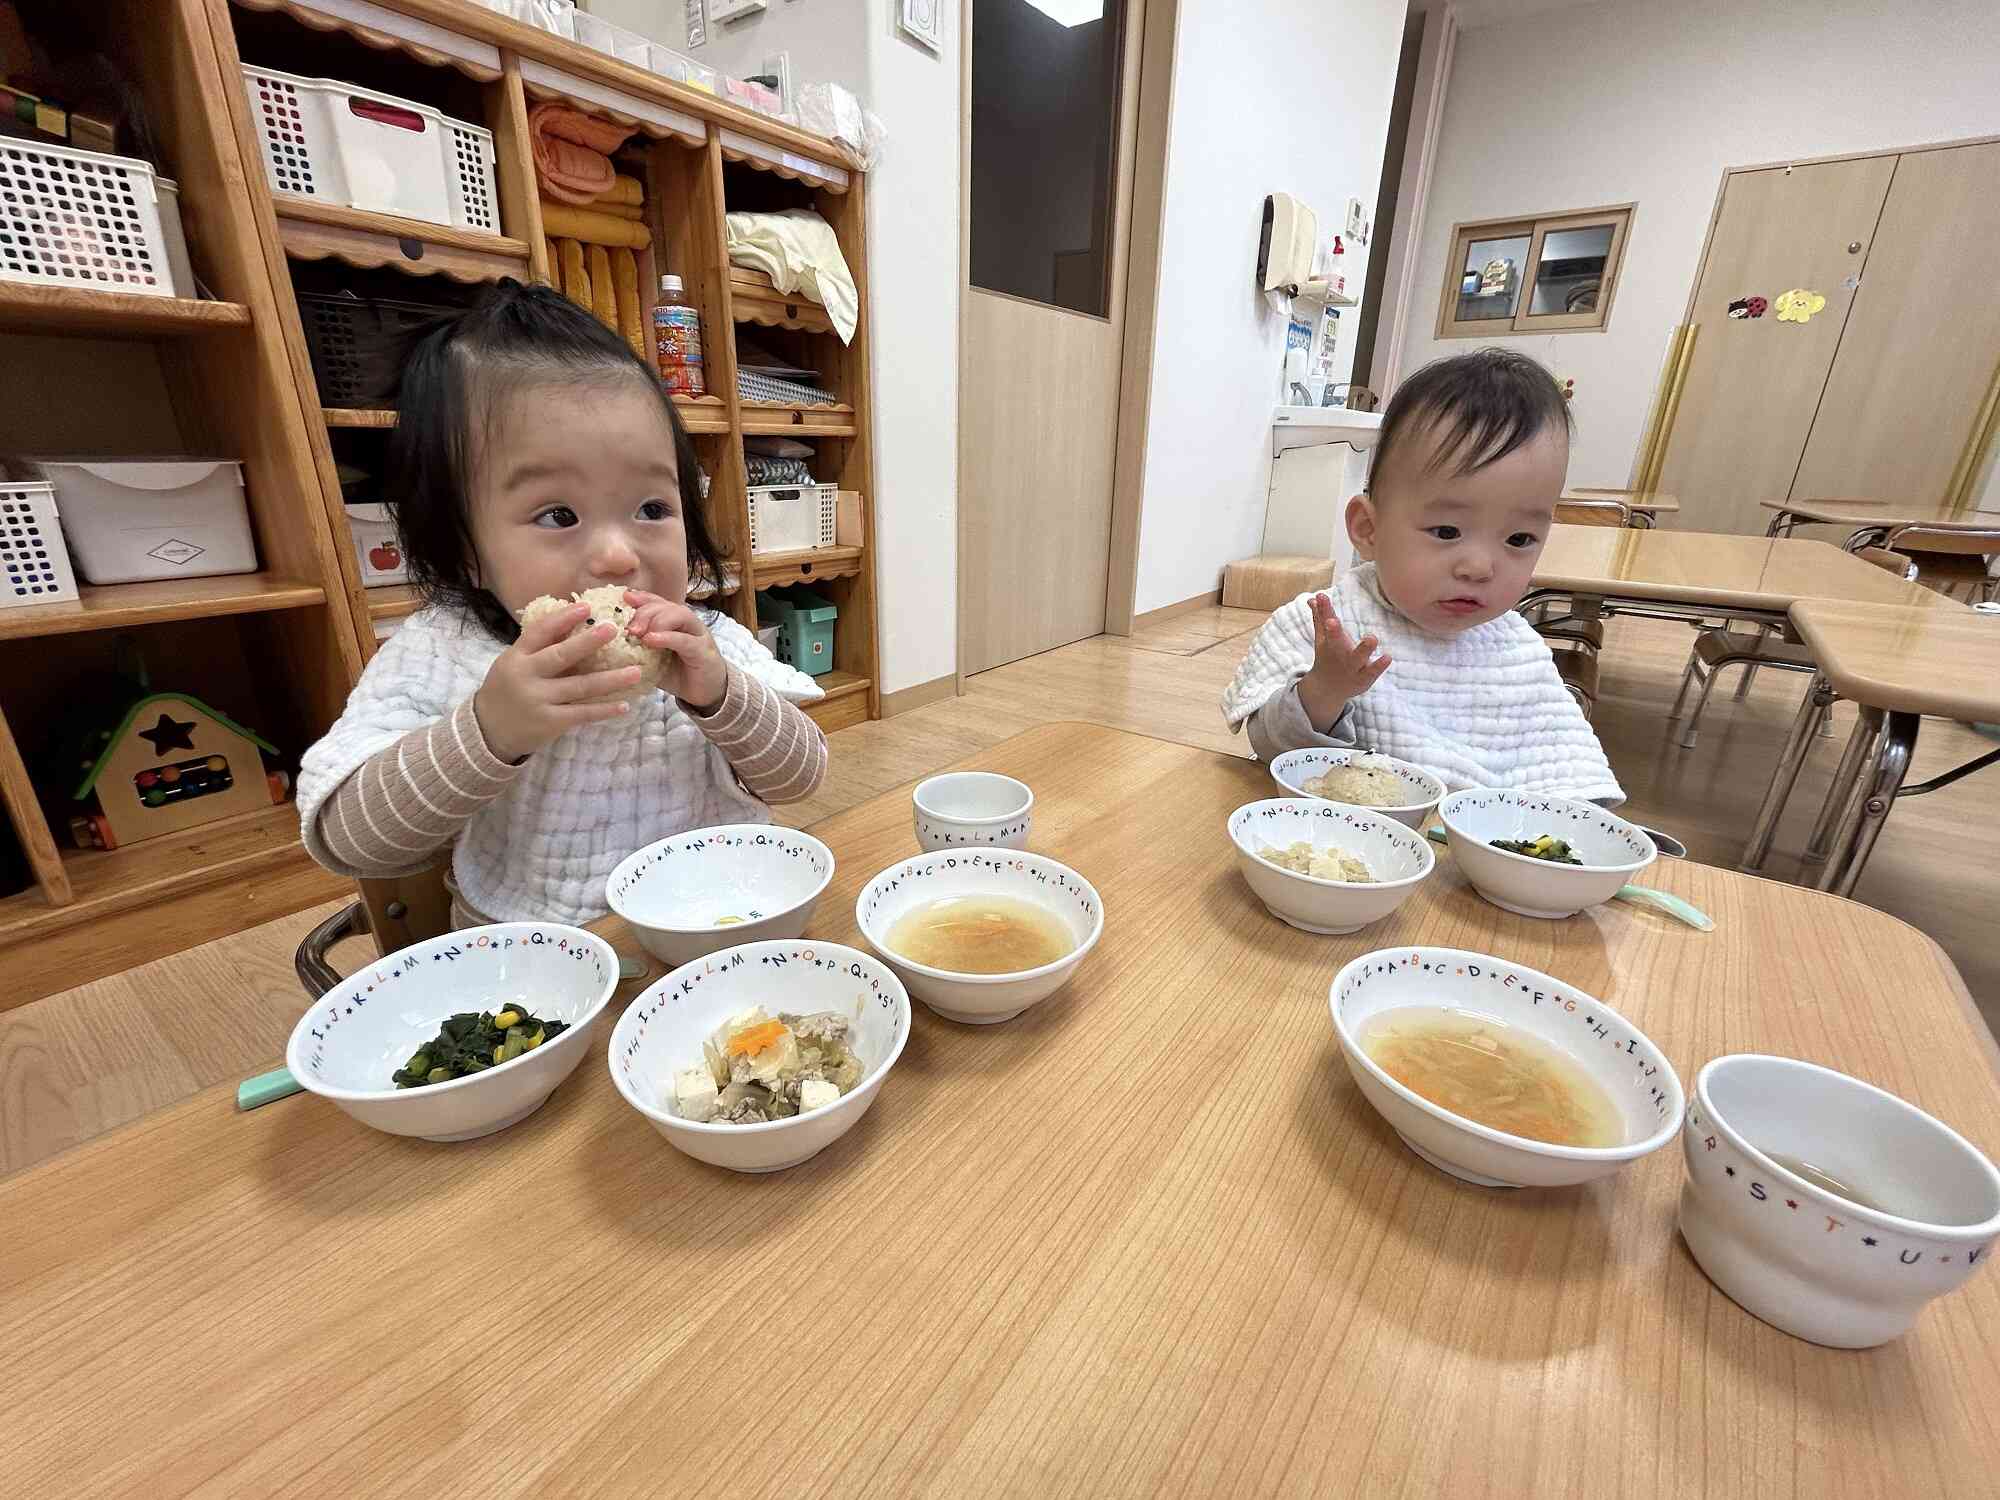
{"x":1325,"y":867}
{"x":1361,"y":778}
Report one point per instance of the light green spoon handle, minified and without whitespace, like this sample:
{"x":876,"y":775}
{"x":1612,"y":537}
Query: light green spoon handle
{"x":266,"y":1088}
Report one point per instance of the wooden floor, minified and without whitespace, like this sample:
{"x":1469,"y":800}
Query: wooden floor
{"x":80,"y":1062}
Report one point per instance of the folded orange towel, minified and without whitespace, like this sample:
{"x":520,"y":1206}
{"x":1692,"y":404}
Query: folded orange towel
{"x":572,"y":152}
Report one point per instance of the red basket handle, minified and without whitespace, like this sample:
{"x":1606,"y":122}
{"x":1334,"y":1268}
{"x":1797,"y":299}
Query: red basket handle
{"x":387,"y":114}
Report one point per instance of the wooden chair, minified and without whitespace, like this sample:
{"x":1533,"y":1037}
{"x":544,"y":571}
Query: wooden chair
{"x":1716,"y":649}
{"x":1577,"y":666}
{"x":396,"y":912}
{"x":1952,"y":561}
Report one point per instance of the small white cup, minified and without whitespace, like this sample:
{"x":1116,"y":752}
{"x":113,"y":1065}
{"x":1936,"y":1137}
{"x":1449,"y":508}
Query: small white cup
{"x":961,"y":809}
{"x":1807,"y":1260}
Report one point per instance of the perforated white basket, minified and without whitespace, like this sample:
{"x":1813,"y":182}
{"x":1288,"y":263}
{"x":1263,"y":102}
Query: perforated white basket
{"x":792,"y":517}
{"x":80,"y":219}
{"x":34,"y":563}
{"x":334,"y":142}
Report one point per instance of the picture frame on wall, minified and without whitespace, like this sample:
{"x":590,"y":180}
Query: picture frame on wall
{"x":922,"y":21}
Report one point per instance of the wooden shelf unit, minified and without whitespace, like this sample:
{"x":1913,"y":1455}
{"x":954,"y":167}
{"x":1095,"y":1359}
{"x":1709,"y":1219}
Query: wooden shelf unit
{"x":280,"y":642}
{"x":315,"y":231}
{"x":355,"y":416}
{"x":81,"y":313}
{"x":809,"y":565}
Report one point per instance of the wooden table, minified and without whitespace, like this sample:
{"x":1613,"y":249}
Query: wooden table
{"x":1895,"y":665}
{"x":1146,"y":1240}
{"x":1870,"y":520}
{"x":1699,"y":575}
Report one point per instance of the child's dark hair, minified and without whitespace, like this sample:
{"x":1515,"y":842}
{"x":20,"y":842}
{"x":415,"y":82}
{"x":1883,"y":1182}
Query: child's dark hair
{"x":456,"y":372}
{"x":1483,"y":405}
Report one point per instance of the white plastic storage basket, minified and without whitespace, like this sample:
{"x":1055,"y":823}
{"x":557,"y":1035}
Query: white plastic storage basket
{"x":339,"y":144}
{"x":557,"y":16}
{"x":791,"y":517}
{"x":129,"y":519}
{"x":81,"y":219}
{"x":34,"y":564}
{"x":612,"y":39}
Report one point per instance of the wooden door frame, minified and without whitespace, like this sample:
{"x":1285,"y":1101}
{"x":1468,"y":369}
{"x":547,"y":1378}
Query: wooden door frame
{"x":1145,"y":113}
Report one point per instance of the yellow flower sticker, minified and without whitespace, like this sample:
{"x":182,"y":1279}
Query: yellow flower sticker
{"x":1797,"y":305}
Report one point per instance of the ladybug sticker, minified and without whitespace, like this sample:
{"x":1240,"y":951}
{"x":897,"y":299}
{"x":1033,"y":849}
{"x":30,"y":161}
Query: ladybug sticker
{"x":1748,"y":307}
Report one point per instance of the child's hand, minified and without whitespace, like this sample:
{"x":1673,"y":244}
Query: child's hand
{"x":533,"y":693}
{"x":1342,"y":670}
{"x":694,"y":670}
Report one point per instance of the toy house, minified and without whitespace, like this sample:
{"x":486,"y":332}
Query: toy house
{"x":172,"y":763}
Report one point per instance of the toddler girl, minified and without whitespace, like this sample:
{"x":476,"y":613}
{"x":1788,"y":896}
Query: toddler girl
{"x":535,"y":455}
{"x":1461,"y":494}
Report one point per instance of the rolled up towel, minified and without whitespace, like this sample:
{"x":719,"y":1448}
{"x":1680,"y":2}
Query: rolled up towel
{"x":625,"y":284}
{"x":594,"y":228}
{"x":603,"y":297}
{"x":575,"y":280}
{"x":628,"y":191}
{"x":572,"y":152}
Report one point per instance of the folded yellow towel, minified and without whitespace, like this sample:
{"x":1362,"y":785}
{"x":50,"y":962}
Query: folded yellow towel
{"x":625,"y":283}
{"x":575,"y":281}
{"x":594,"y":228}
{"x":624,"y":190}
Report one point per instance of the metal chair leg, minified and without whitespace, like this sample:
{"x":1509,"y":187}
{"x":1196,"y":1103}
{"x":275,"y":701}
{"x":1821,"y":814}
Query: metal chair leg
{"x":1896,"y":742}
{"x":1692,"y":728}
{"x":1819,"y":695}
{"x":1687,"y":677}
{"x":1840,"y":790}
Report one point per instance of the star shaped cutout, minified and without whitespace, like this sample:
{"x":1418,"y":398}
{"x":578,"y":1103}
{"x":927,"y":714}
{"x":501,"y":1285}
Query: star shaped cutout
{"x":1730,"y":1170}
{"x":1867,"y":1239}
{"x":1791,"y":1203}
{"x":169,"y":734}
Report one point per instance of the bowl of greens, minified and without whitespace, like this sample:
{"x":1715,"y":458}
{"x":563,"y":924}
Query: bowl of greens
{"x":1541,"y":856}
{"x":459,"y":1036}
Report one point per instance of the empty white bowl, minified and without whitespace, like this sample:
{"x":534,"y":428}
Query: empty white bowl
{"x":963,"y":808}
{"x":1612,"y":850}
{"x":1607,"y":1047}
{"x":1295,"y":768}
{"x":348,"y":1046}
{"x":662,"y":1031}
{"x":1399,"y":858}
{"x":676,"y":892}
{"x":981,"y":999}
{"x":1805,"y":1259}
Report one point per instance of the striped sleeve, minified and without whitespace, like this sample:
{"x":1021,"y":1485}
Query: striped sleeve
{"x":409,"y":800}
{"x":774,"y":747}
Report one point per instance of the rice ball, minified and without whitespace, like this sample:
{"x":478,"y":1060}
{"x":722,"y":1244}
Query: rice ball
{"x":607,"y":607}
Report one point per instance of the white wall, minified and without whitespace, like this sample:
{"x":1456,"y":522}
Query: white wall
{"x":1269,"y":95}
{"x":1650,"y":104}
{"x":827,"y":38}
{"x":913,"y":272}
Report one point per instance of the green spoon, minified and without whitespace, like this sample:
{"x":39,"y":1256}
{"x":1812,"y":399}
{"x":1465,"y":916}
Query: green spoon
{"x":1638,"y":895}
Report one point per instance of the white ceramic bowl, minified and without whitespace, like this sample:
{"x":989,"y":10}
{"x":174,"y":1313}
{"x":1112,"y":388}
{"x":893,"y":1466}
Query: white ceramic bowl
{"x":675,"y":891}
{"x":1810,"y":1261}
{"x":1612,"y":1051}
{"x":353,"y":1039}
{"x":662,"y":1031}
{"x":1295,"y":768}
{"x":1399,"y":858}
{"x":1612,"y":850}
{"x":981,"y":999}
{"x":972,"y":807}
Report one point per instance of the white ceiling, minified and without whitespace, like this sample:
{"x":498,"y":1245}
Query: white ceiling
{"x":1473,"y":14}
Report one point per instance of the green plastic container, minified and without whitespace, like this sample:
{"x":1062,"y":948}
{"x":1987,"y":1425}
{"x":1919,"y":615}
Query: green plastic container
{"x":805,"y":627}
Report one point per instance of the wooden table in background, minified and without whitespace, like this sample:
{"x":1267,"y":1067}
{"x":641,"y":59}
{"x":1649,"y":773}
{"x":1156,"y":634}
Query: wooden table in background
{"x":1870,"y":520}
{"x":1147,"y":1239}
{"x":1895,"y":665}
{"x":1697,"y":575}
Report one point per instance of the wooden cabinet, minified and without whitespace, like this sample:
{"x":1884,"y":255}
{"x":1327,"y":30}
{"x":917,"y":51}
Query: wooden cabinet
{"x":279,"y":649}
{"x":1879,"y":392}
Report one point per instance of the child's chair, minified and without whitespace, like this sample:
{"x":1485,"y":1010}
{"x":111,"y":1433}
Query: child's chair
{"x":1953,"y":562}
{"x":396,"y":912}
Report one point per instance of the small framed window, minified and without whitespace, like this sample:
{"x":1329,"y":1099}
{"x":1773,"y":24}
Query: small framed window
{"x":1553,"y":273}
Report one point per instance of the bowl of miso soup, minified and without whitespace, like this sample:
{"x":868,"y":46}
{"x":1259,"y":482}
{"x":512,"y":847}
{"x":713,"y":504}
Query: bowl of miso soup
{"x":979,"y":935}
{"x":1500,"y":1074}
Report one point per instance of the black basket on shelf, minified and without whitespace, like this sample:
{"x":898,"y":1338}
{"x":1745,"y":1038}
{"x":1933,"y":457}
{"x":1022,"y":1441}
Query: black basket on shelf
{"x":357,"y":344}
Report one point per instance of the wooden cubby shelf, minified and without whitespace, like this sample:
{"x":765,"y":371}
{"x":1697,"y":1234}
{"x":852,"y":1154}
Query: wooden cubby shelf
{"x":115,"y":606}
{"x":355,"y":416}
{"x":765,"y":419}
{"x":391,"y":601}
{"x":317,"y":231}
{"x":806,"y":565}
{"x":81,"y":313}
{"x":703,"y":414}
